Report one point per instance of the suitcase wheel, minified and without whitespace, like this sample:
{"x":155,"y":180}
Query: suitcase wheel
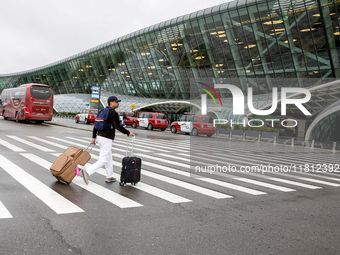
{"x":61,"y":180}
{"x":122,"y":184}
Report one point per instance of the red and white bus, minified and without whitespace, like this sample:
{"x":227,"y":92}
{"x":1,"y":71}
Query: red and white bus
{"x":27,"y":102}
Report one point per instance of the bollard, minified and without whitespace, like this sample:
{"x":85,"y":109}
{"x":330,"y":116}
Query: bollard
{"x":275,"y":140}
{"x":334,"y":146}
{"x":244,"y":136}
{"x":312,"y":146}
{"x":259,"y":139}
{"x":231,"y":134}
{"x":292,"y":142}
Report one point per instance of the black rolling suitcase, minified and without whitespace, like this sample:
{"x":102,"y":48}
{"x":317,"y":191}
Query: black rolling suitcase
{"x":131,"y":167}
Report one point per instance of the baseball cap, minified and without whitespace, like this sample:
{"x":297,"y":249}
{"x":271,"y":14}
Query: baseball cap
{"x":113,"y":99}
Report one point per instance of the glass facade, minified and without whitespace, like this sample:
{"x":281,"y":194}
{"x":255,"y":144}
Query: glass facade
{"x":262,"y":44}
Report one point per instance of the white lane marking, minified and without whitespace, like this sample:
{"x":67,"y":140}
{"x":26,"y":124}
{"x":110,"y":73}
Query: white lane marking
{"x":70,"y":142}
{"x":145,"y":143}
{"x":48,"y":142}
{"x":4,"y":213}
{"x":264,"y":184}
{"x":42,"y":148}
{"x":210,"y":180}
{"x":262,"y":176}
{"x":185,"y":185}
{"x":115,"y":144}
{"x":164,"y":194}
{"x":171,"y":156}
{"x":318,"y":181}
{"x":11,"y":146}
{"x":225,"y":184}
{"x":145,"y":187}
{"x":108,"y":195}
{"x":307,"y":186}
{"x":94,"y":188}
{"x":55,"y":201}
{"x":165,"y":161}
{"x":233,"y":186}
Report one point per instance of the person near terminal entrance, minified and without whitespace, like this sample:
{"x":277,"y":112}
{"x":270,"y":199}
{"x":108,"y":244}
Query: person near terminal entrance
{"x":124,"y":119}
{"x":104,"y":139}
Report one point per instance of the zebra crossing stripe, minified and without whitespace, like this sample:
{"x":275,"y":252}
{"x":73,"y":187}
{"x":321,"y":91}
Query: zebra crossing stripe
{"x":175,"y":182}
{"x":318,"y":181}
{"x":173,"y":198}
{"x":11,"y":146}
{"x":258,"y":183}
{"x":115,"y":144}
{"x":188,"y":174}
{"x":171,"y":156}
{"x":55,"y":201}
{"x":263,"y":184}
{"x":73,"y":143}
{"x":48,"y":142}
{"x":42,"y":148}
{"x":144,"y":143}
{"x":165,"y":161}
{"x":210,"y":180}
{"x":186,"y":185}
{"x":4,"y":213}
{"x":147,"y":188}
{"x":108,"y":195}
{"x":232,"y":186}
{"x":307,"y":186}
{"x":94,"y":188}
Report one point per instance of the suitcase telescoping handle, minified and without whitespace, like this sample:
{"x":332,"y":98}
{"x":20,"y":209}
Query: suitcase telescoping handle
{"x":90,"y":147}
{"x":127,"y":145}
{"x":78,"y":167}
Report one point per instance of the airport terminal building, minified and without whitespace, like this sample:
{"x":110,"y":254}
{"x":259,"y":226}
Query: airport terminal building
{"x":261,"y":44}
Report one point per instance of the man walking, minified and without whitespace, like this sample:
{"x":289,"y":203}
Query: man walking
{"x":104,"y":139}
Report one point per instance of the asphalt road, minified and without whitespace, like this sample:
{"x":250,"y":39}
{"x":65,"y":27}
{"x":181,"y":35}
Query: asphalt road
{"x":174,"y":209}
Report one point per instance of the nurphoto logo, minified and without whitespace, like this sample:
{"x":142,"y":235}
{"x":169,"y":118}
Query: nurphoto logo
{"x":238,"y":102}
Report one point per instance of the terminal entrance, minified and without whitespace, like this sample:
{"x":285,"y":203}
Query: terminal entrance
{"x":172,"y":109}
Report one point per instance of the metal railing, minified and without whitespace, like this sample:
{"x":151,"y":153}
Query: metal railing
{"x":276,"y":139}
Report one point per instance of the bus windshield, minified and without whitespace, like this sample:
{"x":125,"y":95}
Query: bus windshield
{"x":40,"y":92}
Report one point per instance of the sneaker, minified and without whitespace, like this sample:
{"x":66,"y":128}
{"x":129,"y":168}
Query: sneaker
{"x":112,"y":179}
{"x":85,"y":176}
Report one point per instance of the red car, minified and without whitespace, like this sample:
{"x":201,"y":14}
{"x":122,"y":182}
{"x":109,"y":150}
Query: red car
{"x":131,"y":118}
{"x":194,"y":125}
{"x":151,"y":120}
{"x":87,"y":116}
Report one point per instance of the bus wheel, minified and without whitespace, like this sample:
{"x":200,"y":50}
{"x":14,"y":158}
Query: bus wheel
{"x":3,"y":114}
{"x":17,"y":117}
{"x":39,"y":121}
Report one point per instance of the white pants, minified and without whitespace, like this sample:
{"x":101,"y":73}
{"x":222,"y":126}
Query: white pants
{"x":105,"y":157}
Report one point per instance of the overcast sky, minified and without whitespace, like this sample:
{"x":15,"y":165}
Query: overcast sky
{"x":38,"y":32}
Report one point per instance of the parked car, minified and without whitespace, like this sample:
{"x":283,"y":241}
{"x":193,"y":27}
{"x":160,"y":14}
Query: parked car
{"x":130,"y":117}
{"x":194,"y":125}
{"x":87,"y":116}
{"x":151,"y":120}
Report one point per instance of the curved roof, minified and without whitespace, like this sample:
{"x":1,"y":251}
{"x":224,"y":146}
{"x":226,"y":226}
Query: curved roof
{"x":163,"y":25}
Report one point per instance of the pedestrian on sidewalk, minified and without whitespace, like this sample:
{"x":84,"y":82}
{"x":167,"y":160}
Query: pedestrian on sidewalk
{"x":104,"y":139}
